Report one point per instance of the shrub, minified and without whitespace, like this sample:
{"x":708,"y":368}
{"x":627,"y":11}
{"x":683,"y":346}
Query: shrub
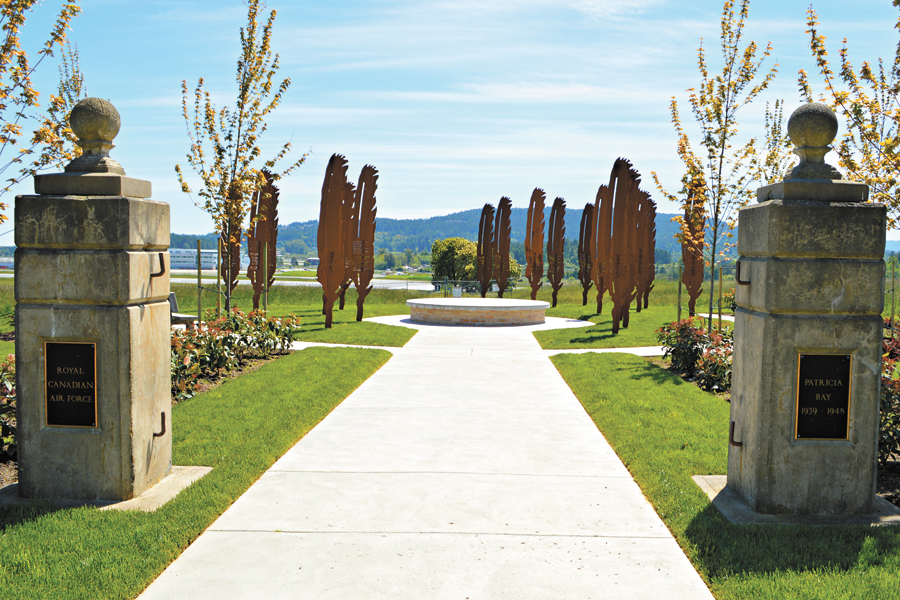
{"x":713,"y":369}
{"x":8,"y":409}
{"x":889,"y":422}
{"x":683,"y":343}
{"x":728,"y":300}
{"x":214,"y":348}
{"x":698,"y":354}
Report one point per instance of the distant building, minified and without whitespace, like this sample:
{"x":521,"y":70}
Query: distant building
{"x":187,"y":259}
{"x":312,"y":261}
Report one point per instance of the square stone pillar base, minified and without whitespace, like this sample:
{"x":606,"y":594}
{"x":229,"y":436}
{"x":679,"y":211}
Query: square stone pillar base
{"x":813,"y":275}
{"x":94,"y":270}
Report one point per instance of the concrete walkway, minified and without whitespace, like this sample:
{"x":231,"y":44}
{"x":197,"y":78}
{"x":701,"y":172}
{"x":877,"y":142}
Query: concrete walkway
{"x":464,"y":468}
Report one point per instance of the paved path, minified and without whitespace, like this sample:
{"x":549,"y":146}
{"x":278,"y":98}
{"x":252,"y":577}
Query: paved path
{"x":464,"y":468}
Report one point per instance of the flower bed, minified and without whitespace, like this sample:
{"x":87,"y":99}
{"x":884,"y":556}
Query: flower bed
{"x":8,"y":409}
{"x":215,"y":348}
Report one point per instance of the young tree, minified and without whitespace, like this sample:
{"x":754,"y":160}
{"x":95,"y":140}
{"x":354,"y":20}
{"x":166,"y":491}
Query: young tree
{"x":19,"y":99}
{"x":722,"y":175}
{"x":870,"y":103}
{"x":225,"y":144}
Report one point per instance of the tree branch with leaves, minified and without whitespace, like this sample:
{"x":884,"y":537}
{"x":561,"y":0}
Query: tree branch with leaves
{"x":225,"y":143}
{"x":19,"y":98}
{"x":722,"y":174}
{"x":869,"y":100}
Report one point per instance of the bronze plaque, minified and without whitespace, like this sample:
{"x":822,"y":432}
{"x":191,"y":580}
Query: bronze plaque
{"x":823,"y":397}
{"x":70,"y":381}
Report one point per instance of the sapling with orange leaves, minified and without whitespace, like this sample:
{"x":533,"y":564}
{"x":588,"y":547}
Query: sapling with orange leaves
{"x":225,"y":143}
{"x":721,"y":177}
{"x":869,"y":100}
{"x":22,"y":157}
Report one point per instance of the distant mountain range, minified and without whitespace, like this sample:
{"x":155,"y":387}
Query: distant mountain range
{"x":397,"y":235}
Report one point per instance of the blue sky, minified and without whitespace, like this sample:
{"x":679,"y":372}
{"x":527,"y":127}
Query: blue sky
{"x":456,"y":102}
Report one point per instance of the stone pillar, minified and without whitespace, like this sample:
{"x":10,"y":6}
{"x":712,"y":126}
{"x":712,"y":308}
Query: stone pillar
{"x":808,"y":328}
{"x":92,"y":326}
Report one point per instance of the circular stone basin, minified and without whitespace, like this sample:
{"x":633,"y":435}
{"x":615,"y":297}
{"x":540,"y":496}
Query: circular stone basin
{"x":477,"y":311}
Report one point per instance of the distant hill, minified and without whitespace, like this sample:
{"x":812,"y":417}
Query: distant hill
{"x":399,"y":234}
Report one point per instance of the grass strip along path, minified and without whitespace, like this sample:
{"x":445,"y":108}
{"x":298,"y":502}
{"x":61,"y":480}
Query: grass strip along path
{"x":665,"y":431}
{"x":306,"y":302}
{"x":239,"y":429}
{"x":641,"y":330}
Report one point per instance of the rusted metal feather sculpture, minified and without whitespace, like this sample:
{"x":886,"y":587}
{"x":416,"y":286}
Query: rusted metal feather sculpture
{"x":623,"y":267}
{"x":230,"y":267}
{"x":263,"y":231}
{"x":624,"y":242}
{"x":692,"y":249}
{"x":485,"y":249}
{"x":330,"y":235}
{"x":555,"y":245}
{"x":534,"y":242}
{"x":364,"y":238}
{"x":584,"y":251}
{"x":601,"y":234}
{"x":647,"y":264}
{"x":502,"y":232}
{"x":350,"y":214}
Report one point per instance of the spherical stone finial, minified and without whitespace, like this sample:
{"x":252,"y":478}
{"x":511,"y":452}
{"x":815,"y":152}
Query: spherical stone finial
{"x":96,"y":123}
{"x":813,"y":124}
{"x":812,"y":128}
{"x":95,"y":120}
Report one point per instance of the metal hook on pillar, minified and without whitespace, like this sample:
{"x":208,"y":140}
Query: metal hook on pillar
{"x":731,"y":437}
{"x":162,"y":420}
{"x":162,"y":266}
{"x":737,"y":275}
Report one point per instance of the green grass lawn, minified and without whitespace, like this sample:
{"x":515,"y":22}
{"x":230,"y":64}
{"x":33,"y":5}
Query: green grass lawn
{"x":345,"y":328}
{"x":665,"y":431}
{"x":641,"y":330}
{"x":239,"y":429}
{"x":306,"y":302}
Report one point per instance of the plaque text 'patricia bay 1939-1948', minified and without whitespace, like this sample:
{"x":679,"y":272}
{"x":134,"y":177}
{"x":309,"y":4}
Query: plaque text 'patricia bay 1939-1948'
{"x":823,"y":397}
{"x":70,"y":378}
